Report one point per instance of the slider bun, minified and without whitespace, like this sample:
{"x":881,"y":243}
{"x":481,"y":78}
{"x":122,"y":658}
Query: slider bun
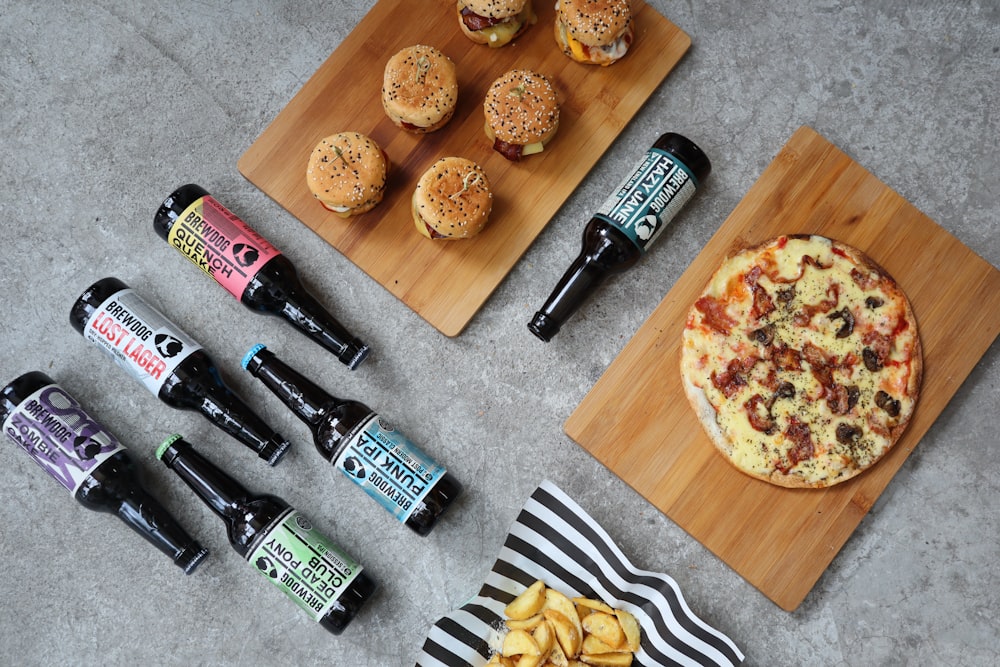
{"x":419,"y":89}
{"x":595,"y":22}
{"x":521,"y":108}
{"x":493,"y":9}
{"x":452,"y":199}
{"x":509,"y":18}
{"x":347,"y":173}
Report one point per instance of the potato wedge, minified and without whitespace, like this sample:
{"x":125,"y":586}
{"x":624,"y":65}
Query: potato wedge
{"x":607,"y":659}
{"x":570,"y":638}
{"x":606,"y":628}
{"x":559,"y":602}
{"x":592,"y":644}
{"x":630,"y":626}
{"x":597,"y":605}
{"x":528,"y":603}
{"x":519,"y":642}
{"x":528,"y":624}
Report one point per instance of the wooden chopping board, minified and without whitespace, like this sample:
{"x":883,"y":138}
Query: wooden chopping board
{"x":447,"y":282}
{"x":636,"y":419}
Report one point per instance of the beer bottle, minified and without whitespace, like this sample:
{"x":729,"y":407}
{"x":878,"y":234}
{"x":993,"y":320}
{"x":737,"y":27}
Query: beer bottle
{"x":626,"y":224}
{"x":249,"y":267}
{"x":408,"y":483}
{"x":50,"y":425}
{"x":277,"y":540}
{"x":168,"y":362}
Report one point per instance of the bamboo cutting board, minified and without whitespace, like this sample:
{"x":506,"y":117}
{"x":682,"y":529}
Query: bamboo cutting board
{"x":636,"y":419}
{"x":447,"y":282}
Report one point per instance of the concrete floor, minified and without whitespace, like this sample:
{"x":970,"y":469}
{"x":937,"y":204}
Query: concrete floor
{"x":105,"y":106}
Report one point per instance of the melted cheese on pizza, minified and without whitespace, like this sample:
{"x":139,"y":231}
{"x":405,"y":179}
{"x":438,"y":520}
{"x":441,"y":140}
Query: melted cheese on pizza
{"x":805,"y":355}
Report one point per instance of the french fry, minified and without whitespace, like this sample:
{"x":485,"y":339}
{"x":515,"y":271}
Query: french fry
{"x":570,"y":638}
{"x":607,"y":659}
{"x":528,"y":624}
{"x":630,"y":626}
{"x":593,"y":604}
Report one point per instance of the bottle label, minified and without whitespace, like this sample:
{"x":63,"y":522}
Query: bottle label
{"x":140,"y":338}
{"x":220,"y":244}
{"x":649,"y":197}
{"x":60,"y":436}
{"x":389,"y":467}
{"x":304,"y":563}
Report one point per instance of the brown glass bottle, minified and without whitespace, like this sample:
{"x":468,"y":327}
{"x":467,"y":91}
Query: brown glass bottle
{"x":168,"y":362}
{"x":277,"y":540}
{"x":392,"y":470}
{"x":249,"y":267}
{"x":625,"y":225}
{"x":50,"y":425}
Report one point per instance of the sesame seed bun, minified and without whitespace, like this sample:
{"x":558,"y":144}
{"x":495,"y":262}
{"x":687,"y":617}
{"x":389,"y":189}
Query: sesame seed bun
{"x":347,"y":173}
{"x":521,"y":109}
{"x":419,"y":89}
{"x":494,"y":22}
{"x":596,"y":32}
{"x":452,"y":199}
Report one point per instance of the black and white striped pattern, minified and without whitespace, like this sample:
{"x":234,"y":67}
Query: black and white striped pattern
{"x":553,"y":539}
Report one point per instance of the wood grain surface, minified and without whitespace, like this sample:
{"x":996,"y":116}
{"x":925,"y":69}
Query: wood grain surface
{"x":636,"y":419}
{"x":446,"y":282}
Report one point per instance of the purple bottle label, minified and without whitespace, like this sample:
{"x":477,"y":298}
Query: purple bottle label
{"x":59,"y":434}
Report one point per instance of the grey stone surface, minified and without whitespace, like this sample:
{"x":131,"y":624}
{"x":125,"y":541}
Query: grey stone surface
{"x":106,"y":106}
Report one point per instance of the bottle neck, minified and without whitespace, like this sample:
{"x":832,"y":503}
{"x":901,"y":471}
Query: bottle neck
{"x":276,"y":288}
{"x":223,"y":494}
{"x":605,"y":251}
{"x":197,"y":384}
{"x":308,"y":401}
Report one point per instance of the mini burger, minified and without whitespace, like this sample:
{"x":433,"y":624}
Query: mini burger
{"x":419,"y":89}
{"x":452,"y":199}
{"x":495,"y":22}
{"x":596,"y":32}
{"x":522,"y":113}
{"x":347,"y":173}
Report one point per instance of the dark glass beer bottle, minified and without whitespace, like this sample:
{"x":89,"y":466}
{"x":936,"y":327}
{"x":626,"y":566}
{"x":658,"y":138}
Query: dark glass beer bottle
{"x":168,"y":362}
{"x":50,"y":425}
{"x":361,"y":444}
{"x":249,"y":267}
{"x":626,"y":224}
{"x":277,"y":540}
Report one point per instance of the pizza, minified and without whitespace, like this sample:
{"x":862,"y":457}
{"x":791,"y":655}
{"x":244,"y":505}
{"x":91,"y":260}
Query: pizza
{"x":802,"y":360}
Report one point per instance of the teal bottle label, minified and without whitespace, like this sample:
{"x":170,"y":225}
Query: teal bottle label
{"x":305,"y":564}
{"x":55,"y":430}
{"x":649,"y":197}
{"x":390,"y":468}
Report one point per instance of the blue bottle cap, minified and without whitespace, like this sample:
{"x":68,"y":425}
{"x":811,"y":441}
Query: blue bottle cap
{"x":250,"y":355}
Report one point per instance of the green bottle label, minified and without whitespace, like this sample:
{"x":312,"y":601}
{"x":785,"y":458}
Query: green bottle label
{"x":305,"y":564}
{"x":649,"y":197}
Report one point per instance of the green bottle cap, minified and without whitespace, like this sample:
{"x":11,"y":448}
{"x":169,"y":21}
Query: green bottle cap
{"x":162,"y":449}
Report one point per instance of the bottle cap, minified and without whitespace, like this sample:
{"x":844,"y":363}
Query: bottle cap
{"x":165,"y":445}
{"x":687,"y":152}
{"x":543,"y":326}
{"x":251,"y":354}
{"x":189,"y":559}
{"x":354,"y":353}
{"x":274,"y":449}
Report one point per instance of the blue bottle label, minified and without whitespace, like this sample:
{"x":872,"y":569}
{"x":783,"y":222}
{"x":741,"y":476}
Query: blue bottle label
{"x":649,"y":197}
{"x":389,"y":467}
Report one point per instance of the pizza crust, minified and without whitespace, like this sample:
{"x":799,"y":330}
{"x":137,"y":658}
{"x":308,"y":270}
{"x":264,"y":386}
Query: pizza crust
{"x":830,"y":388}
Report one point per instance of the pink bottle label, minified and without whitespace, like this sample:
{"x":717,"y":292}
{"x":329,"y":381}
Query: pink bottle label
{"x":220,"y":244}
